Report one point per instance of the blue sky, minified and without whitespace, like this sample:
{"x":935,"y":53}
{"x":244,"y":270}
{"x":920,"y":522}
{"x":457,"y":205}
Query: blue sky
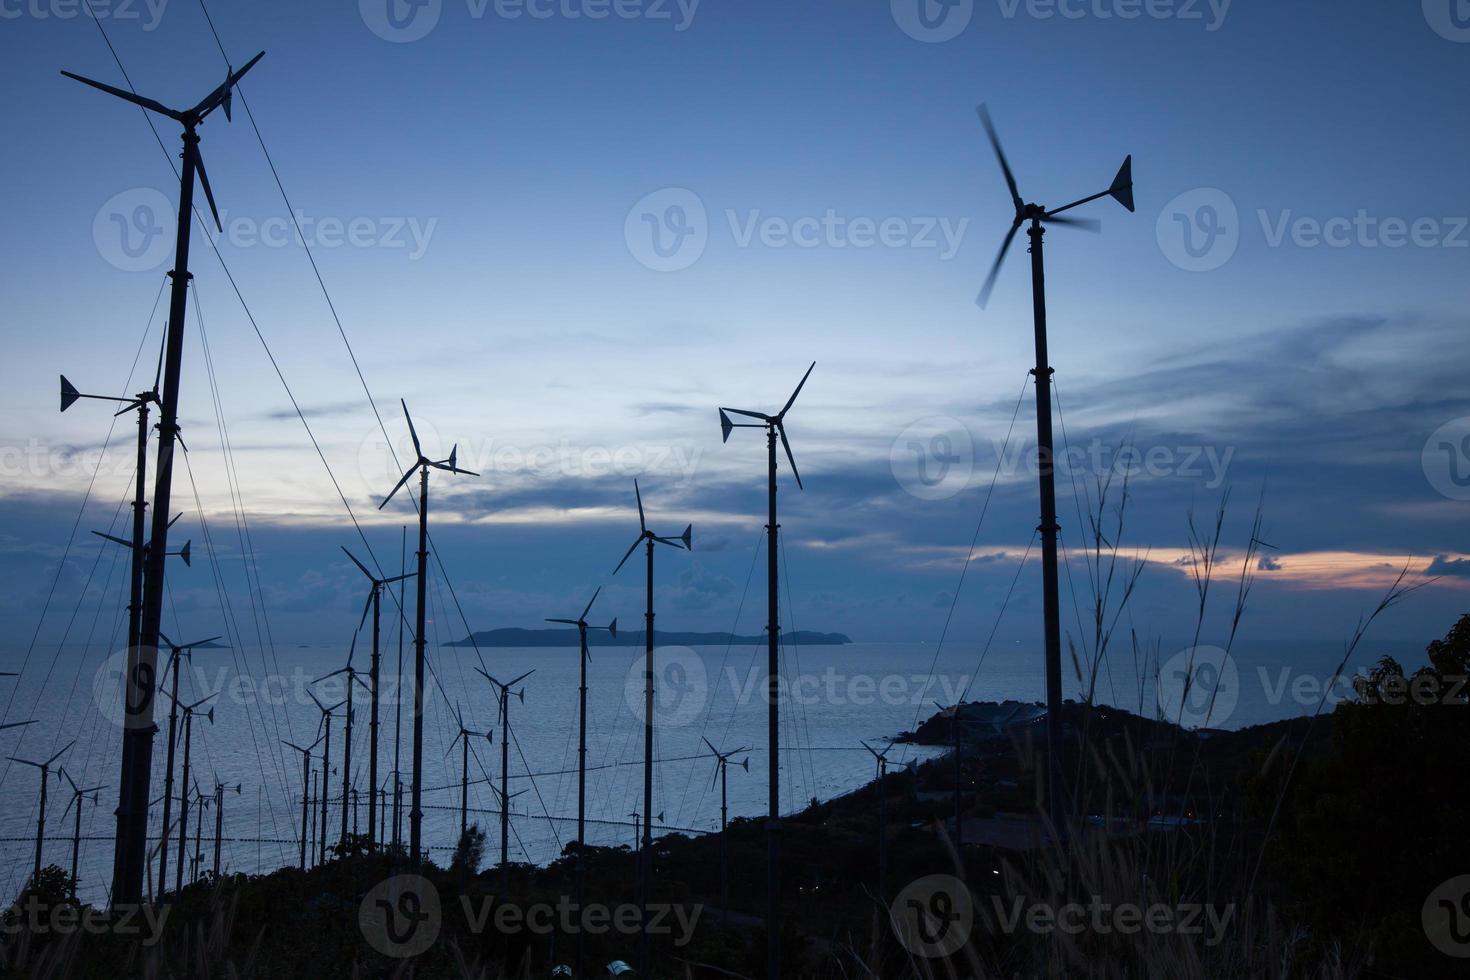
{"x":499,"y":172}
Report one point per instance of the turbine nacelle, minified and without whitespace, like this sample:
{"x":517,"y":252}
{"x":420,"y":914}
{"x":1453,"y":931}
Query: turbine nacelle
{"x":776,"y":424}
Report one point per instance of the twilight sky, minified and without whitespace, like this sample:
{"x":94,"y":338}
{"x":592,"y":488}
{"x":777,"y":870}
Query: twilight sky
{"x":566,"y":230}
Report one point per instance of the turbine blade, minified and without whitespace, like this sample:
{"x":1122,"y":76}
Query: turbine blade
{"x":629,"y":554}
{"x":589,"y":603}
{"x":398,"y":486}
{"x":1000,"y":155}
{"x":521,"y":678}
{"x":1000,"y":258}
{"x":114,"y":539}
{"x":639,"y":494}
{"x":790,"y":401}
{"x":1081,"y":224}
{"x":397,"y":578}
{"x":63,"y":751}
{"x":127,"y":96}
{"x":726,"y":426}
{"x":204,"y":182}
{"x":359,"y":564}
{"x":569,"y":622}
{"x":750,"y":415}
{"x":711,"y":747}
{"x":413,"y":433}
{"x":781,"y":429}
{"x":69,"y":394}
{"x":366,"y":606}
{"x":216,"y":98}
{"x":199,"y":643}
{"x":16,"y":724}
{"x":1122,"y":189}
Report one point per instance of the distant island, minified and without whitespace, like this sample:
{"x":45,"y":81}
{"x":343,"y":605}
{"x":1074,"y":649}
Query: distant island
{"x":515,"y":637}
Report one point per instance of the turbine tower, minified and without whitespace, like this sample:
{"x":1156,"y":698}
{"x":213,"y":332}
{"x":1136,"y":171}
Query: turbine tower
{"x":503,"y":699}
{"x":325,"y":726}
{"x":374,"y":602}
{"x":305,"y":792}
{"x":722,"y":766}
{"x":1037,"y":217}
{"x":464,"y":735}
{"x":422,"y":464}
{"x":176,"y":652}
{"x":582,"y":627}
{"x":78,"y":797}
{"x":137,"y":755}
{"x":188,"y":710}
{"x":45,"y":768}
{"x":648,"y":539}
{"x":775,"y":426}
{"x":352,"y":678}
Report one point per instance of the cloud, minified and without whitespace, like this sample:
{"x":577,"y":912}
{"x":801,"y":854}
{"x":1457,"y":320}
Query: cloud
{"x":1445,"y":565}
{"x":1268,"y":564}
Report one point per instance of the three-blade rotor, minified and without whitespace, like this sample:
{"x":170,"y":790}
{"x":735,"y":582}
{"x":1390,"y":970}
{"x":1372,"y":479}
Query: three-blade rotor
{"x":450,"y":464}
{"x":776,"y":422}
{"x":581,"y":621}
{"x":685,"y":540}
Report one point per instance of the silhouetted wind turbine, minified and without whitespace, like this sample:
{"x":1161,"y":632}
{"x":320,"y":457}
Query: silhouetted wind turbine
{"x":722,"y":765}
{"x":137,"y":756}
{"x":188,"y":710}
{"x":325,"y":726}
{"x":464,"y":735}
{"x":352,"y":678}
{"x":582,"y":627}
{"x":176,"y":652}
{"x":45,"y":768}
{"x":1037,"y":216}
{"x":881,"y":759}
{"x":503,"y":699}
{"x":422,"y":464}
{"x":775,"y":426}
{"x":648,"y":539}
{"x":78,"y":796}
{"x":305,"y":792}
{"x":219,"y":818}
{"x":374,"y":602}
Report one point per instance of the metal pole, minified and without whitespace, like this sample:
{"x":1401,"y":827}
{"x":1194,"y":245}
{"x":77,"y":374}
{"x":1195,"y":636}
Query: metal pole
{"x":416,"y":813}
{"x":305,"y":803}
{"x":135,"y":622}
{"x":321,"y":837}
{"x":882,"y":832}
{"x":41,"y":826}
{"x":645,"y":860}
{"x":168,"y":774}
{"x":219,"y":823}
{"x":373,"y":728}
{"x":1051,"y":602}
{"x":504,"y":784}
{"x":76,"y":845}
{"x":773,"y":729}
{"x":724,"y":844}
{"x":398,"y":697}
{"x":184,"y":804}
{"x":464,"y":785}
{"x":581,"y":786}
{"x":347,"y":752}
{"x":137,"y":764}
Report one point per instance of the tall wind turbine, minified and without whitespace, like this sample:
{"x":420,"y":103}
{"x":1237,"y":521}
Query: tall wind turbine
{"x":176,"y":652}
{"x":78,"y":797}
{"x":374,"y":602}
{"x":219,"y":818}
{"x":137,"y":756}
{"x":325,"y":726}
{"x":422,"y":464}
{"x":722,"y":766}
{"x":188,"y":710}
{"x":305,"y":792}
{"x":1037,"y":217}
{"x":503,"y":694}
{"x":582,"y":627}
{"x":45,"y":768}
{"x":464,"y":735}
{"x":352,"y":678}
{"x":648,"y":539}
{"x":775,"y":426}
{"x":881,"y":759}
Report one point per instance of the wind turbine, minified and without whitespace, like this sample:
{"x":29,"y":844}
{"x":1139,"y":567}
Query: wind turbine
{"x":374,"y":602}
{"x":352,"y":678}
{"x":648,"y":539}
{"x":503,"y":699}
{"x":176,"y":652}
{"x":504,"y":799}
{"x":78,"y":796}
{"x":722,"y":765}
{"x":775,"y":426}
{"x":881,"y":758}
{"x":582,"y":627}
{"x":305,"y":791}
{"x":45,"y":768}
{"x":464,"y":735}
{"x":422,"y":464}
{"x":219,"y":818}
{"x":325,"y":726}
{"x":137,"y":755}
{"x":1037,"y":217}
{"x":188,"y":710}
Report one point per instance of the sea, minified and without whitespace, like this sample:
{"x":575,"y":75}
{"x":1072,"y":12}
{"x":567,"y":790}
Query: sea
{"x":835,"y":699}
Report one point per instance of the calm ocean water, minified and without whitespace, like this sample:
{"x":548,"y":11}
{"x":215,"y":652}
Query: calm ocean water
{"x":840,"y":695}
